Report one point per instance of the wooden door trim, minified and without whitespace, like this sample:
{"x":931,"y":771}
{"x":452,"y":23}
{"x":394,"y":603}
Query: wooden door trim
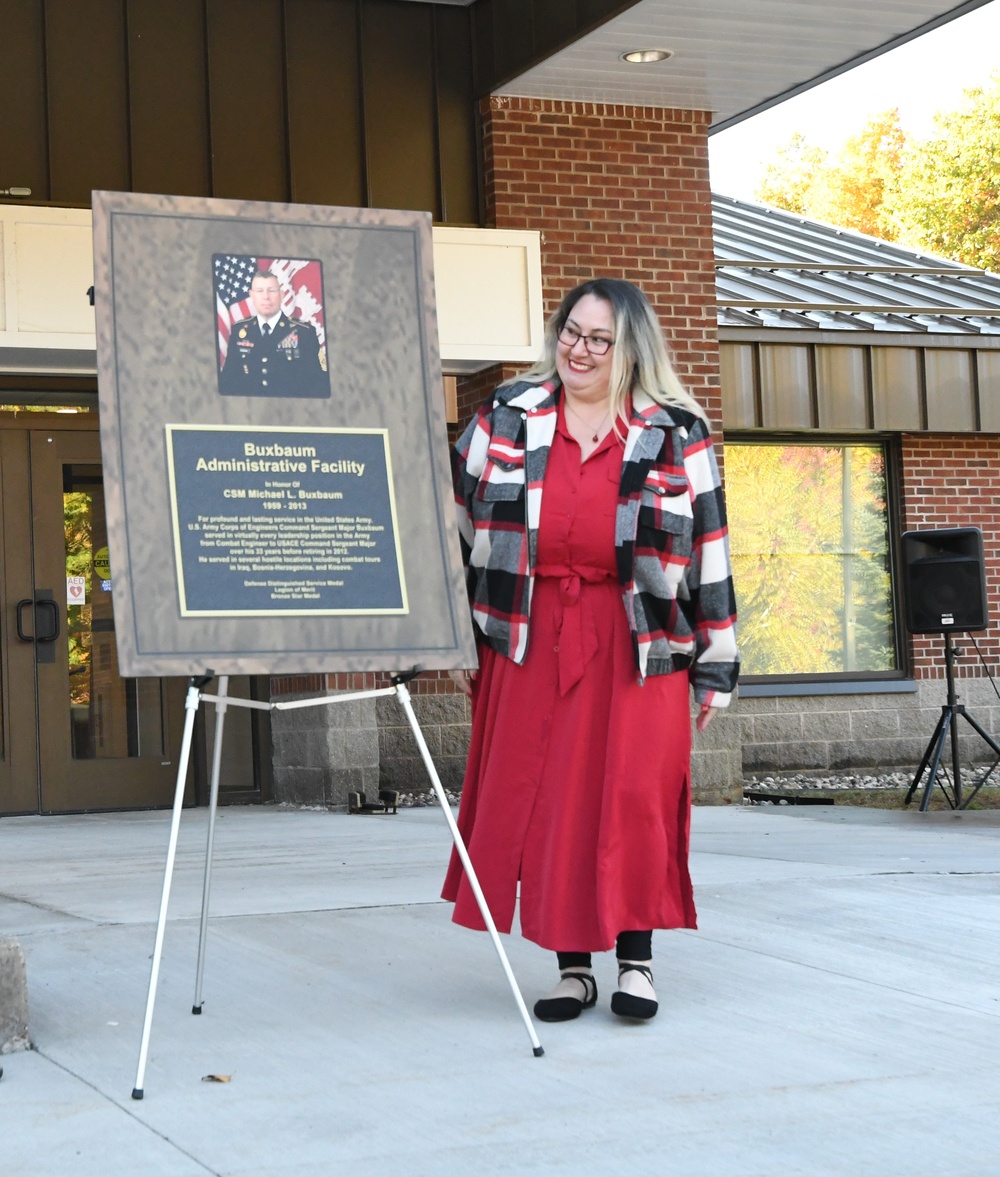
{"x":19,"y":770}
{"x":57,"y":422}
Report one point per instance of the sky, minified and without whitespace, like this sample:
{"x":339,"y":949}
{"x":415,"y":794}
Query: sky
{"x":922,"y":77}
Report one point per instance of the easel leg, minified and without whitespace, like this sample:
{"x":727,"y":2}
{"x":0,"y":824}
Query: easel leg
{"x":191,"y":707}
{"x":403,"y":695}
{"x":213,"y":805}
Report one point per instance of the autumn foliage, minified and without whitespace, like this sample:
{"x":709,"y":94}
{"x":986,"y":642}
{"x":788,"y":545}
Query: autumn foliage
{"x":810,"y":556}
{"x":940,"y":194}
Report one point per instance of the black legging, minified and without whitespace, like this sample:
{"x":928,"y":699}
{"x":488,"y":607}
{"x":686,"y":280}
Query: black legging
{"x":629,"y":946}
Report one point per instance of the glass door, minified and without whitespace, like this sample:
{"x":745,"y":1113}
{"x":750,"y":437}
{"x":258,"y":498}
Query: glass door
{"x":99,"y":741}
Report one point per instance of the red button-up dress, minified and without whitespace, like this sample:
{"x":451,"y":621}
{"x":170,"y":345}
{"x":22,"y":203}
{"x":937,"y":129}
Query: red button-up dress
{"x":577,"y":782}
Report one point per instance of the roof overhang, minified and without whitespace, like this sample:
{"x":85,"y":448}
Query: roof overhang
{"x":730,"y":57}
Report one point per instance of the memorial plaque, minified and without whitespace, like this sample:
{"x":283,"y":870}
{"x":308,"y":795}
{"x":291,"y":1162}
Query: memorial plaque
{"x":273,"y":521}
{"x":275,"y":449}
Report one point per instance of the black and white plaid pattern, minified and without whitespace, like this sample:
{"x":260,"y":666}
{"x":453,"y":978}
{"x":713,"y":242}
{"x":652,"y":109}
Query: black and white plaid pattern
{"x":671,"y":539}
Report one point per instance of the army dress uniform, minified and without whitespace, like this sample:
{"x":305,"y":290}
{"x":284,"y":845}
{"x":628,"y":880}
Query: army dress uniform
{"x":285,"y":361}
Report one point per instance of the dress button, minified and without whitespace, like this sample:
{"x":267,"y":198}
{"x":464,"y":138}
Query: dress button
{"x":556,"y":648}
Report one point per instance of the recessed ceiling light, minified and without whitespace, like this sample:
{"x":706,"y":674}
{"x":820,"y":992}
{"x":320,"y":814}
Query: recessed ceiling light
{"x":645,"y":56}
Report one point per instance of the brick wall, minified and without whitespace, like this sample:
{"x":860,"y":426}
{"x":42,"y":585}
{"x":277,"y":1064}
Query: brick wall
{"x":624,"y":192}
{"x":432,"y":683}
{"x":954,"y":481}
{"x":619,"y":191}
{"x":473,"y":390}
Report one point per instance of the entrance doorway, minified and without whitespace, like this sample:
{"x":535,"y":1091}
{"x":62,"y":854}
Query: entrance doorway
{"x":75,"y":735}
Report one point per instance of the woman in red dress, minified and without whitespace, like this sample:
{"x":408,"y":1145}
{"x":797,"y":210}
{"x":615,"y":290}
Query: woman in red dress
{"x":592,"y":523}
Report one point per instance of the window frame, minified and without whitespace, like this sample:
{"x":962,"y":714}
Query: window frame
{"x":834,"y":682}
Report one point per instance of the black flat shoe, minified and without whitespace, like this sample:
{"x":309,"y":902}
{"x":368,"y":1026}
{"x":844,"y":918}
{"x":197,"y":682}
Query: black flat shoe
{"x":627,"y":1005}
{"x":566,"y":1008}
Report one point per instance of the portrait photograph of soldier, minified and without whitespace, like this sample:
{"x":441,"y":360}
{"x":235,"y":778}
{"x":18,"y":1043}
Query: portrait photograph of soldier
{"x":271,"y":330}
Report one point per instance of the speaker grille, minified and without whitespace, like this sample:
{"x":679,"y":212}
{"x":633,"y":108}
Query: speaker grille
{"x":945,"y":581}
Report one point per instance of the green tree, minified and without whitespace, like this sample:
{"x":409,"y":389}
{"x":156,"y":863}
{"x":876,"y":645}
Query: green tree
{"x":940,"y":195}
{"x":948,"y":198}
{"x":852,"y":188}
{"x":77,"y":522}
{"x":857,"y":190}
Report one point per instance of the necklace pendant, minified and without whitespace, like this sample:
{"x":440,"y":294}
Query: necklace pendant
{"x":594,"y":438}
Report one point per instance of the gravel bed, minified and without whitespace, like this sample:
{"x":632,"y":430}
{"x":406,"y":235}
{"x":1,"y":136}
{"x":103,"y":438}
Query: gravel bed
{"x":800,"y":782}
{"x":771,"y":783}
{"x":421,"y":800}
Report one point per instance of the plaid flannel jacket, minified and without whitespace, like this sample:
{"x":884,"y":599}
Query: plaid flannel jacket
{"x":671,"y":542}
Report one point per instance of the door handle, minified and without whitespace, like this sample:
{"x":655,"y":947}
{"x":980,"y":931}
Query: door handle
{"x":21,"y":605}
{"x":54,"y":628}
{"x":45,"y":603}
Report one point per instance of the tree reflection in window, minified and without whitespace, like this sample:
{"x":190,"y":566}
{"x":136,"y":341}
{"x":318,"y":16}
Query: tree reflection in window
{"x":77,"y":507}
{"x":810,"y":546}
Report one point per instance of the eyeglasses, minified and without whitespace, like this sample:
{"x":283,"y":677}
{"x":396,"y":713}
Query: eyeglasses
{"x":597,"y":345}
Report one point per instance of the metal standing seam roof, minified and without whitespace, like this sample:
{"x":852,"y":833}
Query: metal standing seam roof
{"x":779,"y":269}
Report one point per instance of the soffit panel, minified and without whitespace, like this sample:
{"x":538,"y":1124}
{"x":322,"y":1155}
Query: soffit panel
{"x":730,"y":57}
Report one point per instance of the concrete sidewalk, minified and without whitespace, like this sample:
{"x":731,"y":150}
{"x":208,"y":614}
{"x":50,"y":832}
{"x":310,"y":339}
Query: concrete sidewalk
{"x":837,"y":1013}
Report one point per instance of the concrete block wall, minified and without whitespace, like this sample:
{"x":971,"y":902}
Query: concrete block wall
{"x":716,"y":770}
{"x":322,"y":753}
{"x":844,"y":733}
{"x":444,"y":721}
{"x":717,"y":761}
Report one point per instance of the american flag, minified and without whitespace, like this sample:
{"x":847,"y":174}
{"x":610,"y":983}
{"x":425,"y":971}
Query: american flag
{"x":300,"y":282}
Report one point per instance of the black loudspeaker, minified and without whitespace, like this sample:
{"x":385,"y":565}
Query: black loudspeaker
{"x":945,"y":580}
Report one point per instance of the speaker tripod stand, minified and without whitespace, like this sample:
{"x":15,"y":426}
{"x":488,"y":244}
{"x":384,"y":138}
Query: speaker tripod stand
{"x":951,"y":712}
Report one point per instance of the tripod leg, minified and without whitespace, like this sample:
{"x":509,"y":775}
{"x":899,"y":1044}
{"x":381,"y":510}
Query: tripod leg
{"x":932,"y":747}
{"x":980,"y":731}
{"x":956,"y":761}
{"x":191,"y":706}
{"x":213,"y":805}
{"x":942,"y":732}
{"x":403,"y":695}
{"x":990,"y":743}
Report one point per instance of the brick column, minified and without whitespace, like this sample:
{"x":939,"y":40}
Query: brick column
{"x":616,"y":191}
{"x":622,"y":192}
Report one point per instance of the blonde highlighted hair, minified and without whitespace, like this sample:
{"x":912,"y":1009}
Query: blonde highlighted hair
{"x":639,"y":358}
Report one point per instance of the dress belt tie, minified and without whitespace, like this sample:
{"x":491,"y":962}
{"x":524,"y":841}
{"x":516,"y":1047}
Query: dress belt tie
{"x":575,"y":624}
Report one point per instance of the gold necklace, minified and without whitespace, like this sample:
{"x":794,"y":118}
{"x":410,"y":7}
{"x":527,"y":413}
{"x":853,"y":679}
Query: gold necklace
{"x":586,"y":423}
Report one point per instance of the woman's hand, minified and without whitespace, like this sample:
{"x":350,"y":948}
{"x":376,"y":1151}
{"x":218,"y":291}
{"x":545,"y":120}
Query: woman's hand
{"x":705,"y":717}
{"x":463,"y":680}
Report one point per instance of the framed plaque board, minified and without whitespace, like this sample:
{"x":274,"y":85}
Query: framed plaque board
{"x":274,"y":441}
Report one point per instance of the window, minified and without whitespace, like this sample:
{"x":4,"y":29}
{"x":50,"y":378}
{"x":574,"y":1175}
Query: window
{"x":809,"y":530}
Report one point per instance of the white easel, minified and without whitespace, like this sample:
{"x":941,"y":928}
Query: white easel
{"x":222,"y":701}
